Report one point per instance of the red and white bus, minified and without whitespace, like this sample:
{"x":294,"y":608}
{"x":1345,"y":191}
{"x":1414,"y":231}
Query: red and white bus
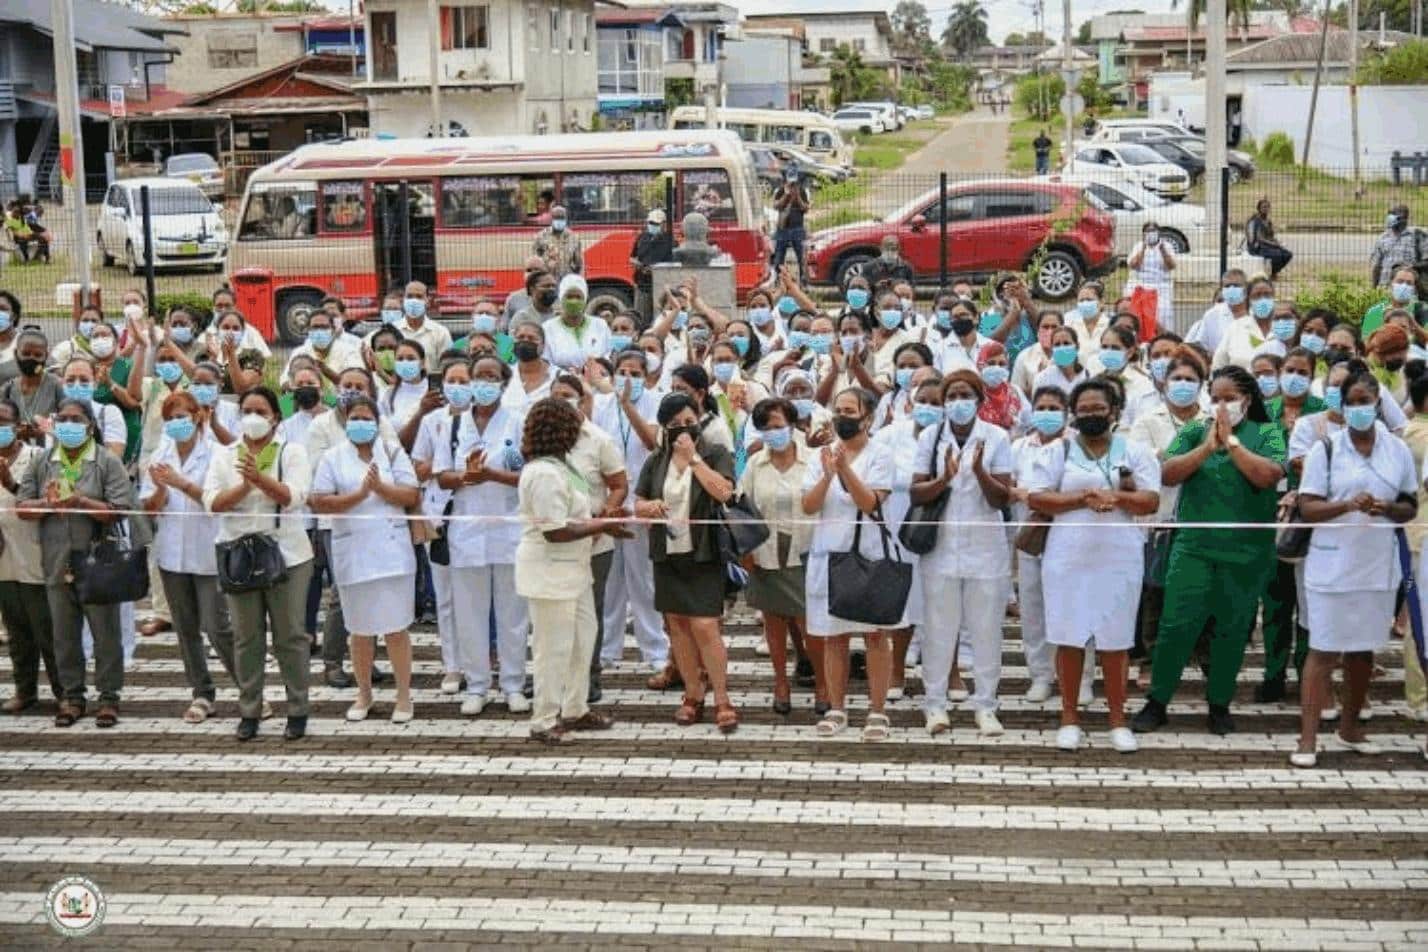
{"x":355,"y":218}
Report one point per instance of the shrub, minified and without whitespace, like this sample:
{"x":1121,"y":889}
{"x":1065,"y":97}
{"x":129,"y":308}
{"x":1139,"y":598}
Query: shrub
{"x":196,"y":301}
{"x":1404,"y":65}
{"x":1349,"y":297}
{"x":1277,"y":152}
{"x":1040,"y":96}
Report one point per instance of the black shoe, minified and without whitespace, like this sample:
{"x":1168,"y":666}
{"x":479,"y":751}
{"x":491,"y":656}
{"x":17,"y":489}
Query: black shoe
{"x":803,"y":673}
{"x":381,"y":677}
{"x":247,"y":728}
{"x":336,"y":678}
{"x":528,"y":689}
{"x":593,"y":693}
{"x":1220,"y":721}
{"x":821,"y":707}
{"x":296,"y":729}
{"x":1271,"y":691}
{"x":782,"y":706}
{"x":314,"y":647}
{"x":1151,"y":717}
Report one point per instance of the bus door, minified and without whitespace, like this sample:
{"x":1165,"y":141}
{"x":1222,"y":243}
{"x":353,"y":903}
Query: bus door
{"x":405,"y":232}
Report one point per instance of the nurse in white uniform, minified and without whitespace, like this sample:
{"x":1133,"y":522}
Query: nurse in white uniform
{"x":1093,"y":484}
{"x":369,"y":485}
{"x":1361,"y":476}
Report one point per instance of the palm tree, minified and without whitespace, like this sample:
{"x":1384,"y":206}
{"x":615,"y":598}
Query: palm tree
{"x":1239,"y":11}
{"x":966,"y":27}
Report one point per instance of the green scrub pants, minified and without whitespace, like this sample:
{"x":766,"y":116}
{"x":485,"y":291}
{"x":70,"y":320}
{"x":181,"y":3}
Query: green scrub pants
{"x":1197,"y":589}
{"x":1280,"y":631}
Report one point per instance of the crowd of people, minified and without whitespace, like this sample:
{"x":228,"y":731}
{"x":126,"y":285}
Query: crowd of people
{"x":560,"y":472}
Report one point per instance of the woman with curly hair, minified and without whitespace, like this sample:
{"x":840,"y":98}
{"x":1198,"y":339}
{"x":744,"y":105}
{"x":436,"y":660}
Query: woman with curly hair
{"x":553,"y":572}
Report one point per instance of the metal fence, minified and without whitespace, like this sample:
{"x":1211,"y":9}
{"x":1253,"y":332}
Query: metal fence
{"x":357,"y":242}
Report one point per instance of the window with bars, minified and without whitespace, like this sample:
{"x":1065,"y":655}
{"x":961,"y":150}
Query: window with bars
{"x":466,"y":28}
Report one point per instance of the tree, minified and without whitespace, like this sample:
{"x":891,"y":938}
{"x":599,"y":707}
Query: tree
{"x":1083,"y":33}
{"x":1405,"y":65}
{"x":1015,"y":39}
{"x":1037,"y":38}
{"x":1239,"y":11}
{"x":912,"y":26}
{"x":852,"y":81}
{"x":1039,"y":96}
{"x":966,"y":28}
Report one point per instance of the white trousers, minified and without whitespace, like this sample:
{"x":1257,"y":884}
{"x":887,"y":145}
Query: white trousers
{"x":473,"y":591}
{"x":1033,"y":618}
{"x":630,"y":588}
{"x":446,"y":617}
{"x":563,"y":635}
{"x":952,"y":604}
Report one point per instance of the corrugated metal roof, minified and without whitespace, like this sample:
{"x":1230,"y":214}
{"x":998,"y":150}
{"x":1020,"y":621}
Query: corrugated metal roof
{"x":98,"y":24}
{"x":1304,"y":48}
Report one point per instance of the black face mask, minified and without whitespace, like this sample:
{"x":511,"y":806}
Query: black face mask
{"x":962,"y":326}
{"x":526,"y":351}
{"x":1093,"y":425}
{"x":673,"y":433}
{"x":545,"y":298}
{"x":306,"y":397}
{"x":1393,"y":366}
{"x":847,"y":427}
{"x":1335,"y":355}
{"x":29,"y":366}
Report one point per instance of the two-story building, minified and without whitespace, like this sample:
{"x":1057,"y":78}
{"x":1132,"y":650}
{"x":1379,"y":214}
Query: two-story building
{"x":631,"y":47}
{"x":218,"y":51}
{"x":502,"y":66}
{"x":859,"y":25}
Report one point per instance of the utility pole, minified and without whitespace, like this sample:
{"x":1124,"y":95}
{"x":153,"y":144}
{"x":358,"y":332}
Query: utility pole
{"x":433,"y":23}
{"x":1070,"y":87}
{"x":1314,"y":94}
{"x":1354,"y":93}
{"x":71,"y":141}
{"x":1215,"y":131}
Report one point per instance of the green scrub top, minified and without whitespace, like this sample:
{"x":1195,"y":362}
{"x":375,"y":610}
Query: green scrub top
{"x":1219,"y":492}
{"x":1373,"y":317}
{"x":1275,"y":408}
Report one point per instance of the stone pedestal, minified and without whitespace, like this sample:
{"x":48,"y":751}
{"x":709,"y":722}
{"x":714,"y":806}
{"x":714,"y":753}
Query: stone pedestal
{"x":716,"y":281}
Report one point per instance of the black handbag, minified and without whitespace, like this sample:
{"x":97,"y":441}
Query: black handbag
{"x":252,"y":562}
{"x":1291,"y":539}
{"x":741,"y":527}
{"x":112,"y":572}
{"x":918,"y":533}
{"x":869,"y":591}
{"x":438,"y":550}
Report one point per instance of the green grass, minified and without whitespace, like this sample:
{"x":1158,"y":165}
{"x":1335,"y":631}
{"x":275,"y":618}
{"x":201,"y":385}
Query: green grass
{"x":1020,"y":155}
{"x":842,"y":192}
{"x":836,"y":217}
{"x":880,"y":157}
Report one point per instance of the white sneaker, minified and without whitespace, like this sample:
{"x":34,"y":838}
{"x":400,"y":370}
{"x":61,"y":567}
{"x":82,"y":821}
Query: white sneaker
{"x":518,"y":703}
{"x":1123,"y":740}
{"x":1069,"y":737}
{"x":762,"y":648}
{"x":895,"y":694}
{"x":988,"y":724}
{"x":1039,"y":691}
{"x":937,"y":723}
{"x":473,"y":705}
{"x":451,"y":684}
{"x":958,"y":694}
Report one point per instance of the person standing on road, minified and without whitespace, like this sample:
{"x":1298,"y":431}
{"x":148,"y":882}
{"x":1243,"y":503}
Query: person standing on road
{"x":1260,"y":240}
{"x":654,"y":245}
{"x":1152,"y":262}
{"x":791,"y":202}
{"x":1041,"y":145}
{"x":1398,"y":245}
{"x":558,"y":246}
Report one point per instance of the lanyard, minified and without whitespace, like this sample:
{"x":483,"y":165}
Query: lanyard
{"x":71,"y":471}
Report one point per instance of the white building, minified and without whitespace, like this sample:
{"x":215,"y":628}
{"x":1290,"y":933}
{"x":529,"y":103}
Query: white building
{"x":502,"y":66}
{"x":860,"y":25}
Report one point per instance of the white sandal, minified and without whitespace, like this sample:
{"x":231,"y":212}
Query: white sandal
{"x":199,"y":710}
{"x":877,"y":727}
{"x":834,"y":722}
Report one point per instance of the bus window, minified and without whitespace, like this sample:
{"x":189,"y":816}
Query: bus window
{"x":687,"y":124}
{"x":343,"y":209}
{"x":599,"y":198}
{"x":820,"y":140}
{"x":748,"y":131}
{"x":786,"y":135}
{"x":481,"y":200}
{"x":707,"y":191}
{"x":280,"y":212}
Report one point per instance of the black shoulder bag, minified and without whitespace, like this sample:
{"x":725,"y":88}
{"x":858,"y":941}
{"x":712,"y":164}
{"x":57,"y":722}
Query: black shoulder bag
{"x":869,"y":591}
{"x":438,"y":550}
{"x":113,"y":571}
{"x":918,"y":532}
{"x":253,"y":562}
{"x":1291,"y":542}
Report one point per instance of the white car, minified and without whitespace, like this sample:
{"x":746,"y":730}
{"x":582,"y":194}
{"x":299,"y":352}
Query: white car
{"x":864,"y":121}
{"x":200,"y":169}
{"x":925,"y":111}
{"x":187,"y":230}
{"x":1113,"y":130}
{"x":1145,"y":167}
{"x":892,"y":120}
{"x":1183,"y":227}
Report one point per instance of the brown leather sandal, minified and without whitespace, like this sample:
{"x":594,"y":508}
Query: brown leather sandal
{"x":666,"y":680}
{"x":68,"y":714}
{"x":690,"y":712}
{"x":726,"y":718}
{"x":108,"y":716}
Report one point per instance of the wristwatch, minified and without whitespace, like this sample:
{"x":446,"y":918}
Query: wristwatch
{"x":1234,"y":441}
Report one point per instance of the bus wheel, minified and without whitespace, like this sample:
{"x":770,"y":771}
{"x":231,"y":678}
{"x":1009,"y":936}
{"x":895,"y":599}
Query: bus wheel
{"x":294,"y":310}
{"x":621,"y":298}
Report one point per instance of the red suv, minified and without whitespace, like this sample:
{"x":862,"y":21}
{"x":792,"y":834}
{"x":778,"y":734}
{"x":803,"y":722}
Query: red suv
{"x":991,"y":227}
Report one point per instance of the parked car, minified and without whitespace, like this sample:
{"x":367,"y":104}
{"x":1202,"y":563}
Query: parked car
{"x":1120,"y":130}
{"x":1241,"y":164}
{"x":1177,"y":154}
{"x":809,"y":165}
{"x":1182,"y":226}
{"x":924,"y":111}
{"x":200,"y":169}
{"x":1136,"y":162}
{"x":768,"y":166}
{"x":992,"y":226}
{"x":187,"y":229}
{"x":887,"y":110}
{"x":864,"y":121}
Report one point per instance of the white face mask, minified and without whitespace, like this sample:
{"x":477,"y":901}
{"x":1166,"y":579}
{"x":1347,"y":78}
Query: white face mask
{"x":255,"y":426}
{"x":133,"y":311}
{"x":102,"y":346}
{"x":1235,"y":410}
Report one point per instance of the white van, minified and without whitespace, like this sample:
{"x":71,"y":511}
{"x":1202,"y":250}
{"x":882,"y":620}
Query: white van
{"x":808,"y":131}
{"x":187,"y":229}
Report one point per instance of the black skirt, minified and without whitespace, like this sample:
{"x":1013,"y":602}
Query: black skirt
{"x":683,"y":586}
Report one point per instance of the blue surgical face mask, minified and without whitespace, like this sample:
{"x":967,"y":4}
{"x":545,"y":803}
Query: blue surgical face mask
{"x":483,"y":323}
{"x":168,"y":370}
{"x":485,"y":392}
{"x":1113,"y":360}
{"x":857,"y":298}
{"x":777,"y":439}
{"x":557,"y":225}
{"x":740,"y":345}
{"x":414,"y":307}
{"x":681,"y":320}
{"x":903,"y":376}
{"x":760,"y":316}
{"x":1293,"y":384}
{"x":1403,"y":291}
{"x":86,"y":328}
{"x":1268,"y":385}
{"x":961,"y":412}
{"x":797,"y":340}
{"x":180,"y":429}
{"x":804,"y":406}
{"x":619,"y":342}
{"x":6,"y":321}
{"x":1233,"y":294}
{"x":79,"y":391}
{"x":390,"y":315}
{"x":1262,"y":308}
{"x":926,"y":414}
{"x":652,"y":228}
{"x":820,"y":343}
{"x":1159,"y":367}
{"x":1334,"y":398}
{"x":994,"y":376}
{"x":7,"y":436}
{"x":944,"y":319}
{"x":181,"y":334}
{"x":1182,"y":393}
{"x":1064,"y":355}
{"x":637,"y":385}
{"x":724,"y":372}
{"x":408,"y":370}
{"x":891,"y":319}
{"x":205,"y":393}
{"x":787,"y":305}
{"x":361,"y":432}
{"x":457,"y":394}
{"x":1361,"y":417}
{"x":71,"y":433}
{"x":1312,"y":343}
{"x":320,"y":338}
{"x":1088,"y":309}
{"x":1283,"y":328}
{"x":1048,"y":422}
